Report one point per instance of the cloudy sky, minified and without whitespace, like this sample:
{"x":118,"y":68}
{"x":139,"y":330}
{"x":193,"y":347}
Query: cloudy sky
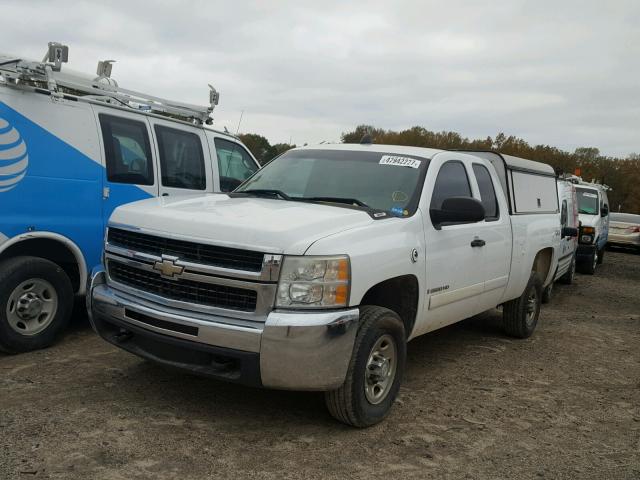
{"x":565,"y":73}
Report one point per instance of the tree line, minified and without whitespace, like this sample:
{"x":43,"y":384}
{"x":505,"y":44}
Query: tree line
{"x":622,"y":175}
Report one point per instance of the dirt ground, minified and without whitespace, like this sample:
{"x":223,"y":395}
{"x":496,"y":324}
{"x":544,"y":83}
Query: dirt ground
{"x":474,"y":404}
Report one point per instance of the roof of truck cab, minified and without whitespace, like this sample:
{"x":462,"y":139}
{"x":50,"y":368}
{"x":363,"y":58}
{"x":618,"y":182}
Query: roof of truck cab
{"x":375,"y":147}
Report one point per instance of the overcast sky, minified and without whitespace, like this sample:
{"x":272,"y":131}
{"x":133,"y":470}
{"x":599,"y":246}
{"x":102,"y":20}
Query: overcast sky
{"x":565,"y":73}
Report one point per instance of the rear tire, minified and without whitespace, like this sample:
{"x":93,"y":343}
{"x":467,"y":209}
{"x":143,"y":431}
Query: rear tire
{"x":520,"y":316}
{"x":36,"y":300}
{"x":375,"y":370}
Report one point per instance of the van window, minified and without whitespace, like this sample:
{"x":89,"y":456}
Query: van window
{"x":127,"y":150}
{"x":181,"y":159}
{"x":234,"y":164}
{"x":487,"y":192}
{"x":564,"y":216}
{"x":452,"y":181}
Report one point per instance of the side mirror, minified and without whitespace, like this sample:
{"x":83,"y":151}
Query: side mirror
{"x":569,"y":232}
{"x":604,"y":211}
{"x":457,"y":210}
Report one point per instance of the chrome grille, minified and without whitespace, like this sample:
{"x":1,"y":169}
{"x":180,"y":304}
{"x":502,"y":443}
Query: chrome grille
{"x":209,"y":294}
{"x":223,"y":257}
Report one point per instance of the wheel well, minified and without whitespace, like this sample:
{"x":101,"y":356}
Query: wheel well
{"x":542,"y":263}
{"x":48,"y":249}
{"x":399,"y":294}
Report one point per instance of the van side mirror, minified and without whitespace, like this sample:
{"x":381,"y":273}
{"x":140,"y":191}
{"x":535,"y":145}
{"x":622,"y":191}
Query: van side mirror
{"x":457,"y":210}
{"x":569,"y":232}
{"x":604,"y":211}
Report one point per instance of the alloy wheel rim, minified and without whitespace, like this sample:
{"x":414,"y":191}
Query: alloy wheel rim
{"x":32,"y":306}
{"x":381,"y":368}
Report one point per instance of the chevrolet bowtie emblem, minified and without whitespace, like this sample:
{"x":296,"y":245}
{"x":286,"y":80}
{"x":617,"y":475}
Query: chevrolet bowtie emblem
{"x":167,"y":267}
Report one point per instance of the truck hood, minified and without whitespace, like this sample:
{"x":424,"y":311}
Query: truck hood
{"x":268,"y":225}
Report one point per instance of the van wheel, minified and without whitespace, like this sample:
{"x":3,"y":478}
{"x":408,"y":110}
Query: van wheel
{"x":600,"y":256}
{"x":589,"y":267}
{"x":568,"y":277}
{"x":36,"y":300}
{"x":375,"y":371}
{"x":520,"y":316}
{"x":547,"y":293}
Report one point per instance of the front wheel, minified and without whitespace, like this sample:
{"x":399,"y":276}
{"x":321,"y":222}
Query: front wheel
{"x":520,"y":316}
{"x":375,"y":371}
{"x":589,"y":267}
{"x":36,"y":299}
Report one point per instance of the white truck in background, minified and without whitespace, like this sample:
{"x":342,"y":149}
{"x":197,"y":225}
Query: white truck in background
{"x":316,"y":272}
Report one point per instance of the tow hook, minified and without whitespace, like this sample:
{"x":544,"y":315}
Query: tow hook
{"x":122,"y":336}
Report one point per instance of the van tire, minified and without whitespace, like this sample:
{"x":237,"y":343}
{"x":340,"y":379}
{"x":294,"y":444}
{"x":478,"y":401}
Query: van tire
{"x":547,"y":293}
{"x":349,"y":404}
{"x":600,"y":256}
{"x":46,"y":303}
{"x":520,"y":315}
{"x":589,"y":266}
{"x":568,"y":277}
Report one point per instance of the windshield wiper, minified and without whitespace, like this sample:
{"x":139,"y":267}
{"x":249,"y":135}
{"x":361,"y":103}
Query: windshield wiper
{"x":348,"y":201}
{"x":266,"y":191}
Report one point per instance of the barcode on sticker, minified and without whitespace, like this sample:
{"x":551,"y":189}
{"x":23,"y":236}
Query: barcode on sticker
{"x":399,"y":161}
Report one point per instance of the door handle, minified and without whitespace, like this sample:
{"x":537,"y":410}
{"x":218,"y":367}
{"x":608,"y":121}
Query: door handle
{"x":476,"y":242}
{"x":165,"y":194}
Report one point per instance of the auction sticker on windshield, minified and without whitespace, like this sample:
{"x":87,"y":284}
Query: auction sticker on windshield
{"x":399,"y":161}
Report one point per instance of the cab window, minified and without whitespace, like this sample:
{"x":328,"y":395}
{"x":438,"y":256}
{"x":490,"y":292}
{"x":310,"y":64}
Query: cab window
{"x":127,"y":150}
{"x":564,"y":217}
{"x":487,"y":192}
{"x":452,"y":181}
{"x":234,"y":164}
{"x":181,"y":159}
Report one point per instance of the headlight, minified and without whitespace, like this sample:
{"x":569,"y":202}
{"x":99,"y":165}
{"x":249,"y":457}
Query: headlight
{"x":586,"y":239}
{"x":314,"y":282}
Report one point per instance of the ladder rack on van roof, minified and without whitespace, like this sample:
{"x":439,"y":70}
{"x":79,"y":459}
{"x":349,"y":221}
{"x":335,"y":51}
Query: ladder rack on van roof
{"x":48,"y":76}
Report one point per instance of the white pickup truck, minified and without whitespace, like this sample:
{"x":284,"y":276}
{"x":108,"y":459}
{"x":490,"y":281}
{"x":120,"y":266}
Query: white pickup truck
{"x":316,"y":272}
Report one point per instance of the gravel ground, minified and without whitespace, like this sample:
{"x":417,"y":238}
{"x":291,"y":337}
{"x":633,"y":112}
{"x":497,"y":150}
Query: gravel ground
{"x":475,"y":404}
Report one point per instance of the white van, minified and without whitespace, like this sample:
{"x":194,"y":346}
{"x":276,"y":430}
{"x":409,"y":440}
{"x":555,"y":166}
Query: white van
{"x":593,"y":210}
{"x":567,"y":242}
{"x":73,"y":147}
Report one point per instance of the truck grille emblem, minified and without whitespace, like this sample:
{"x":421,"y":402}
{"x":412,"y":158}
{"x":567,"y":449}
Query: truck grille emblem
{"x":167,"y":267}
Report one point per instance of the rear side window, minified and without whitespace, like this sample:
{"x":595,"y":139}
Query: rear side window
{"x":181,"y":159}
{"x":452,"y":181}
{"x":564,"y":217}
{"x":234,"y":163}
{"x":487,"y":192}
{"x":127,"y":150}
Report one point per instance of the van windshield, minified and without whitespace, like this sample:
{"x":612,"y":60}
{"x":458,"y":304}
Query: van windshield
{"x":368,"y":180}
{"x":587,"y":201}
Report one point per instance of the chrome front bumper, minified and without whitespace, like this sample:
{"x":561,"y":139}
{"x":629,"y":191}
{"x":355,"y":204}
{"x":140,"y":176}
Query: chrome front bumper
{"x":291,"y":350}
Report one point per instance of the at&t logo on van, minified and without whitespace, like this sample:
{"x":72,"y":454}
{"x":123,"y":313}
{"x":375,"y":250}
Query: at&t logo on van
{"x":13,"y":156}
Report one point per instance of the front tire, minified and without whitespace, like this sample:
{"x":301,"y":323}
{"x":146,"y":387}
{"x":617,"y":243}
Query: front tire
{"x":375,"y":371}
{"x":589,"y":267}
{"x":36,"y":300}
{"x":520,"y":316}
{"x":547,"y":293}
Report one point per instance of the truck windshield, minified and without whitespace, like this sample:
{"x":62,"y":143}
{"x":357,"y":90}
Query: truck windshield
{"x":368,"y":180}
{"x":587,"y":201}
